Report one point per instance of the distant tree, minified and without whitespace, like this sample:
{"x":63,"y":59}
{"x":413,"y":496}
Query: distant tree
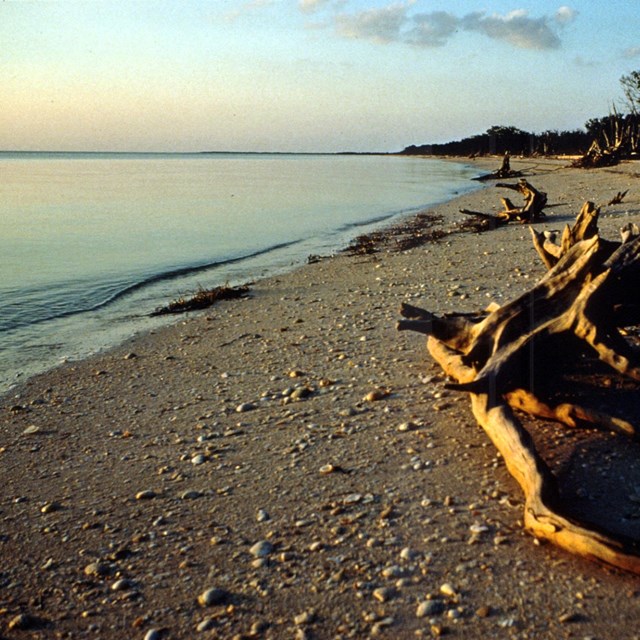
{"x":631,"y":89}
{"x":509,"y":138}
{"x":562,"y":142}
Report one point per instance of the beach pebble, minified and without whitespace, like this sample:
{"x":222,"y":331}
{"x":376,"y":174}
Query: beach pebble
{"x":152,"y":634}
{"x":407,"y":426}
{"x":211,"y":597}
{"x":31,"y":430}
{"x":191,"y":494}
{"x":376,"y":394}
{"x":568,"y":617}
{"x":205,"y":625}
{"x":477,"y":529}
{"x":507,"y":623}
{"x":447,"y":590}
{"x":301,"y":392}
{"x":121,"y":585}
{"x":22,"y":621}
{"x":306,"y":617}
{"x":380,"y":625}
{"x":245,"y":406}
{"x":262,"y":516}
{"x":198,"y":459}
{"x":147,"y":494}
{"x":429,"y":608}
{"x":384,"y":594}
{"x":261,"y":549}
{"x":327,"y":468}
{"x":258,"y":627}
{"x":50,"y":507}
{"x":393,"y":571}
{"x":98,"y":569}
{"x":408,"y":554}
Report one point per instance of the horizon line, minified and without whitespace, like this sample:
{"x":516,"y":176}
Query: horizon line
{"x":202,"y":152}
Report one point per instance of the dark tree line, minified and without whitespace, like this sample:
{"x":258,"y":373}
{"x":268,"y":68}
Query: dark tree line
{"x":614,"y":136}
{"x":500,"y":139}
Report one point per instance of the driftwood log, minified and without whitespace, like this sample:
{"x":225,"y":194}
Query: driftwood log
{"x":505,"y":359}
{"x":531,"y":211}
{"x":505,"y":171}
{"x":597,"y":156}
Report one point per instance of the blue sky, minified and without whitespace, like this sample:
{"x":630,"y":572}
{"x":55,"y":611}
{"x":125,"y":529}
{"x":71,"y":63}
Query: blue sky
{"x":303,"y":75}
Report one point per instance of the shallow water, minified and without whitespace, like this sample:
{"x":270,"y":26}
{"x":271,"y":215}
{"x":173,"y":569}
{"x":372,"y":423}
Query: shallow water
{"x":92,"y":243}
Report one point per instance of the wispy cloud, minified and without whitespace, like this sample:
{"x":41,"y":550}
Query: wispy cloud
{"x":380,"y":25}
{"x":515,"y":28}
{"x":248,"y":7}
{"x":631,"y":52}
{"x":565,"y":15}
{"x":398,"y":23}
{"x":580,"y":61}
{"x":309,"y":6}
{"x":432,"y":29}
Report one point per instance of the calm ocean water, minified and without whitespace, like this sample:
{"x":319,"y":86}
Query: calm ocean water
{"x":92,"y":243}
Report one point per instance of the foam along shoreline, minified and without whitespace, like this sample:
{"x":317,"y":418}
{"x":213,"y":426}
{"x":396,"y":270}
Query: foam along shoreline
{"x":234,"y":451}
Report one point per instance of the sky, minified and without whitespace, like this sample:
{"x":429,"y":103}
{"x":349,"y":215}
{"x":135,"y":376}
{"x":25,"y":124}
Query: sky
{"x":303,"y":75}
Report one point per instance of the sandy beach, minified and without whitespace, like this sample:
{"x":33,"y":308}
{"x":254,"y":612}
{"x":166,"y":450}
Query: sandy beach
{"x":230,"y":476}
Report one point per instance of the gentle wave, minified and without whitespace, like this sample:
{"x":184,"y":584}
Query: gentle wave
{"x":26,"y":314}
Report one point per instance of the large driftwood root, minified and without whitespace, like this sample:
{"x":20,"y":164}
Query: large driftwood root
{"x":542,"y":511}
{"x":584,"y":228}
{"x":574,"y":313}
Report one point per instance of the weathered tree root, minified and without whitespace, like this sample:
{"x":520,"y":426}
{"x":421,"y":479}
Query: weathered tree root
{"x":569,"y":414}
{"x":574,"y":310}
{"x":542,"y":515}
{"x":532,"y":210}
{"x":505,"y":171}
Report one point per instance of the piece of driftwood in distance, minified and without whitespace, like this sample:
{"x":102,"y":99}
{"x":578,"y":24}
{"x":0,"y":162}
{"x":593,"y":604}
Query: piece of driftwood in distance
{"x":572,"y":314}
{"x":618,"y":198}
{"x":597,"y":157}
{"x":505,"y":171}
{"x":202,"y":299}
{"x":531,"y":211}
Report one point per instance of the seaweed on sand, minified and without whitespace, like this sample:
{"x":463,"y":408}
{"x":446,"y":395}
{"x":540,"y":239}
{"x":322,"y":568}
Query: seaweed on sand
{"x":365,"y":244}
{"x":407,"y":234}
{"x":202,"y":299}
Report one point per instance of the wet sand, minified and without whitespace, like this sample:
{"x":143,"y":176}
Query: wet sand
{"x":235,"y":457}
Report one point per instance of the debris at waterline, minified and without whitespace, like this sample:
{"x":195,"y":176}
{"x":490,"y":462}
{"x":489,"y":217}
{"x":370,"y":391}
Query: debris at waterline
{"x":202,"y":299}
{"x":414,"y":232}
